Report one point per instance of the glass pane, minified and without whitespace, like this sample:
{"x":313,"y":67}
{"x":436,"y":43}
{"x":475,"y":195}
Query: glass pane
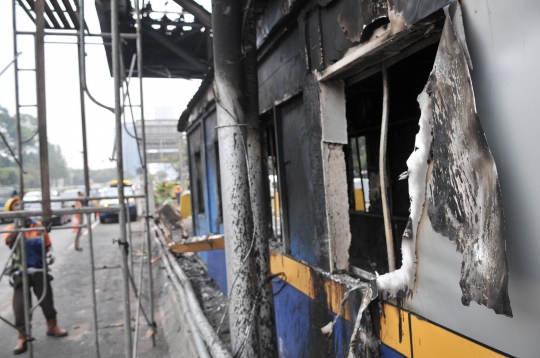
{"x":361,"y":181}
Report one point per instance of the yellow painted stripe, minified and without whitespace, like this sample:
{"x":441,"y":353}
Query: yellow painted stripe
{"x":301,"y":277}
{"x":390,"y":329}
{"x":430,"y":340}
{"x":297,"y":274}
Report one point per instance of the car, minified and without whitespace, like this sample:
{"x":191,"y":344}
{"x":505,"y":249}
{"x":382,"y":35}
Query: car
{"x":32,"y":201}
{"x":71,"y":194}
{"x":113,"y":191}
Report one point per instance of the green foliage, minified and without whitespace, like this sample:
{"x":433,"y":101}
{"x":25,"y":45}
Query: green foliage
{"x":8,"y":167}
{"x":164,"y":192}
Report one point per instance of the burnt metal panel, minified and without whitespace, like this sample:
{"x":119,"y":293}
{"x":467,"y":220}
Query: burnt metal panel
{"x":181,"y":51}
{"x":464,"y":195}
{"x":280,"y":73}
{"x":303,"y":177}
{"x":274,"y":13}
{"x":357,"y":15}
{"x":414,"y":10}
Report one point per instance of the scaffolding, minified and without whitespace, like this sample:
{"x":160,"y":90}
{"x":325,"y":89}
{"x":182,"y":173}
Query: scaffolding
{"x":67,"y":21}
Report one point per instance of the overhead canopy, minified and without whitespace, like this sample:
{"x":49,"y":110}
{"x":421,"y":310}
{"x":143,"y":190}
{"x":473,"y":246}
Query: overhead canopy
{"x":173,"y":45}
{"x":59,"y":14}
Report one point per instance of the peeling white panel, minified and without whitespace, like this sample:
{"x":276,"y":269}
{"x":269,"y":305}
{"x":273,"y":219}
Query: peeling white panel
{"x":402,"y":280}
{"x":333,"y":120}
{"x":337,"y":206}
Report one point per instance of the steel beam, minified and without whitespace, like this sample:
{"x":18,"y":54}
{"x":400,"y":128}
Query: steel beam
{"x":186,"y":56}
{"x":140,"y":73}
{"x":116,"y":48}
{"x":196,"y":10}
{"x":42,"y":111}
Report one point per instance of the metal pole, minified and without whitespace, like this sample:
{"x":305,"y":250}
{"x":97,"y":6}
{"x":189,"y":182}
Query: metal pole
{"x":82,"y":58}
{"x":93,"y":279}
{"x":232,"y":117}
{"x":130,"y":237}
{"x":26,"y":291}
{"x":42,"y":112}
{"x":17,"y":105}
{"x":120,"y":173}
{"x":384,"y":174}
{"x":181,"y":158}
{"x":259,"y":208}
{"x":145,"y":169}
{"x":139,"y":298}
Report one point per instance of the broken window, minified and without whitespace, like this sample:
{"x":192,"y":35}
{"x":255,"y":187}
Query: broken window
{"x":364,"y":115}
{"x":273,"y":187}
{"x":218,"y":178}
{"x":359,"y":173}
{"x":199,"y":183}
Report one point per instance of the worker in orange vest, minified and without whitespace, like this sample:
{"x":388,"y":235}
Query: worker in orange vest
{"x":34,"y":247}
{"x":78,"y":220}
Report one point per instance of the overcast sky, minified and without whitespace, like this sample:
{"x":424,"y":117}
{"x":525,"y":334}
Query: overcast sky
{"x":62,"y":84}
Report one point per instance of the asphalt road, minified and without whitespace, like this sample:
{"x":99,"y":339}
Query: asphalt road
{"x":73,"y":300}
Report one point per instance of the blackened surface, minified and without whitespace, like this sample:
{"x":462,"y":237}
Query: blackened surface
{"x":280,"y":73}
{"x":415,"y":10}
{"x":356,"y":15}
{"x":303,"y":177}
{"x":465,"y":202}
{"x":158,"y":60}
{"x":334,"y":41}
{"x":312,"y":135}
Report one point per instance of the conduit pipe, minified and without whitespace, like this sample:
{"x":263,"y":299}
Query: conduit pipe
{"x":82,"y":58}
{"x":190,"y":306}
{"x":384,"y":175}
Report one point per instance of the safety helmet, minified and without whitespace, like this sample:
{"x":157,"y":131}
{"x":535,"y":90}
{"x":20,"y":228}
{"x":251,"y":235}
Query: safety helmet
{"x":7,"y":205}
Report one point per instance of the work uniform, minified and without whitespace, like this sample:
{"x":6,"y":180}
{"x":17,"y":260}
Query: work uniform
{"x":34,"y":250}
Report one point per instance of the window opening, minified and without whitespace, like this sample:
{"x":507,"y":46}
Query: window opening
{"x":361,"y":180}
{"x":364,"y":114}
{"x":218,"y":175}
{"x":199,"y":183}
{"x":275,"y":196}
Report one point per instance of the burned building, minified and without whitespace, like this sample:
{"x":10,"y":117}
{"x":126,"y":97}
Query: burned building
{"x":378,"y":176}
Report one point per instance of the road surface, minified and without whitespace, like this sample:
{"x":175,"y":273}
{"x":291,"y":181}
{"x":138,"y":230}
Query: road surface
{"x":73,"y":300}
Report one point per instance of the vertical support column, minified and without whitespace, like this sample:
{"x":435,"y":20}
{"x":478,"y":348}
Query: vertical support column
{"x":384,"y":174}
{"x":42,"y":111}
{"x":17,"y":114}
{"x":334,"y":136}
{"x":93,"y":279}
{"x":86,"y":174}
{"x":258,"y":194}
{"x":115,"y":36}
{"x":145,"y":170}
{"x":232,"y":134}
{"x":251,"y":315}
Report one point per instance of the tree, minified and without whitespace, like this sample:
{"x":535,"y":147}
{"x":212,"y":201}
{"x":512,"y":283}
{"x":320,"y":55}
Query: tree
{"x":8,"y":166}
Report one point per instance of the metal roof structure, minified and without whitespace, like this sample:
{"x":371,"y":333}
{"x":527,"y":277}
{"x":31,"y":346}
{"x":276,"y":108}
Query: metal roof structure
{"x":59,"y":14}
{"x":176,"y":45}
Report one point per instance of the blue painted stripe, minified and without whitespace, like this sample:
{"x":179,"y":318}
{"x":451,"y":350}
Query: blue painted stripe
{"x":387,"y":352}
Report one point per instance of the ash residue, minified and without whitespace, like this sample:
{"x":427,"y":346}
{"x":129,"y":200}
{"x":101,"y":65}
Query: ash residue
{"x":212,"y":300}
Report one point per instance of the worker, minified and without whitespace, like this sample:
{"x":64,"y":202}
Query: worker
{"x":78,"y":220}
{"x":34,"y":247}
{"x":177,"y":194}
